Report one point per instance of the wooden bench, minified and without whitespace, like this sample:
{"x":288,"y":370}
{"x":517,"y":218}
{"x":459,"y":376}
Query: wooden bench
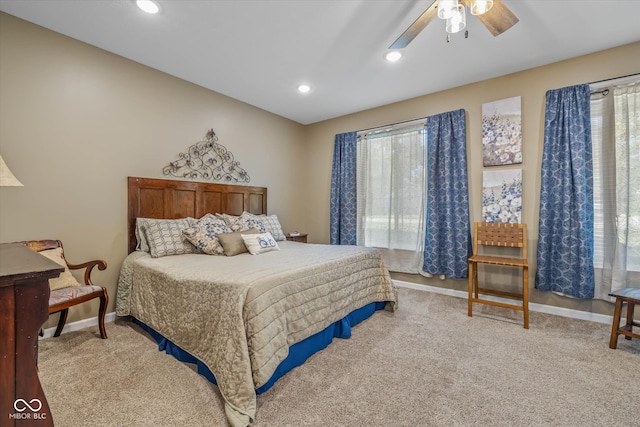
{"x":632,"y":297}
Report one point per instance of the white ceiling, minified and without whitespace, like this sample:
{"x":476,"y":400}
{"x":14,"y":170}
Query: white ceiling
{"x":258,"y":51}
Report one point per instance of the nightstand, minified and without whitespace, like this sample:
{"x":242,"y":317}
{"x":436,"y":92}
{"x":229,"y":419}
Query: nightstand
{"x":302,"y":238}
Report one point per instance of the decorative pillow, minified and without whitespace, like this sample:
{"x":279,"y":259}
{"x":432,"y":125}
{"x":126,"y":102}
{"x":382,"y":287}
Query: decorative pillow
{"x":273,"y":226}
{"x":246,"y":221}
{"x":141,"y":235}
{"x":204,"y":234}
{"x":66,"y":279}
{"x":141,"y":238}
{"x":165,"y":237}
{"x":229,"y":219}
{"x":260,"y":243}
{"x":233,"y":243}
{"x":235,"y":223}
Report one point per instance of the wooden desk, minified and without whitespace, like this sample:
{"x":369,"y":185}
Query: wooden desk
{"x":632,"y":297}
{"x":24,"y":307}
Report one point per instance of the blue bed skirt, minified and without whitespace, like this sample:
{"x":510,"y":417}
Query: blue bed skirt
{"x":298,"y":353}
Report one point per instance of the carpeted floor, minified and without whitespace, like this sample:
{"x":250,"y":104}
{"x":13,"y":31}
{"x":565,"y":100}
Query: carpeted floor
{"x":428,"y":364}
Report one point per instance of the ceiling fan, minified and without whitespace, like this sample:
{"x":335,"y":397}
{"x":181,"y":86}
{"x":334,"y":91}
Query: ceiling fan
{"x":493,"y":14}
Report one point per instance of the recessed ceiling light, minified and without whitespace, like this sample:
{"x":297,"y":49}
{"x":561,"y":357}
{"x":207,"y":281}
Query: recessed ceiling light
{"x":304,"y":88}
{"x":148,"y":6}
{"x":393,"y":56}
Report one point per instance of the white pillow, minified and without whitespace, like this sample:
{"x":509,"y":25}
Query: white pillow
{"x":260,"y":243}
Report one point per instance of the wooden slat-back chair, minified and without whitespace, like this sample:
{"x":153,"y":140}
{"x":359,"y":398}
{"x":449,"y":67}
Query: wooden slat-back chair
{"x":61,"y":299}
{"x":504,"y":235}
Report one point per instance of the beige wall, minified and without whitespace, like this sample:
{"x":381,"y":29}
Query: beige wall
{"x":531,"y":85}
{"x":75,"y":121}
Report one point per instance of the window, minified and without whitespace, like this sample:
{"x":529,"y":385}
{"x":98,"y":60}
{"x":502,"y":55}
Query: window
{"x":615,"y":127}
{"x":391,"y":183}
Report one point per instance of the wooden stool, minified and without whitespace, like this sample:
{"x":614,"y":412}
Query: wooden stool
{"x":632,"y":297}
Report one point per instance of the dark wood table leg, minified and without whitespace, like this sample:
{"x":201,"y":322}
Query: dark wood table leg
{"x":630,"y":309}
{"x":32,"y":408}
{"x":613,"y":343}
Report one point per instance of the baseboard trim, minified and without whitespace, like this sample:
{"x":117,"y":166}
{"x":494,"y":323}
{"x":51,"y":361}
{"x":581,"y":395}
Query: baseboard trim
{"x":541,"y":308}
{"x":80,"y":324}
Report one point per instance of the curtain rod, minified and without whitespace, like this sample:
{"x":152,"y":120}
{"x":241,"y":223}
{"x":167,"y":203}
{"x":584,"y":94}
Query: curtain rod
{"x":391,"y":125}
{"x":424,"y":118}
{"x":602,"y":86}
{"x":614,"y":78}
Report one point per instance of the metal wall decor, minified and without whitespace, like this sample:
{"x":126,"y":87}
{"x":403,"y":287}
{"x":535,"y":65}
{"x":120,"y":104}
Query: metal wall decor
{"x":209,"y":161}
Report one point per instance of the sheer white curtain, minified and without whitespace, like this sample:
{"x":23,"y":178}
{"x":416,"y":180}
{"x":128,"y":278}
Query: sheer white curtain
{"x":392,"y":195}
{"x":615,"y":125}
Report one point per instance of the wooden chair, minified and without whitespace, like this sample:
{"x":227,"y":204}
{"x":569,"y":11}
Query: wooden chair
{"x":505,"y":235}
{"x":66,"y":291}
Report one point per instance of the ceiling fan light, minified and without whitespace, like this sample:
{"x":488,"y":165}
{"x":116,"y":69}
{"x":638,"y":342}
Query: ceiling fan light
{"x":478,"y":7}
{"x":446,"y":8}
{"x":393,"y":56}
{"x":458,"y":20}
{"x":148,"y":6}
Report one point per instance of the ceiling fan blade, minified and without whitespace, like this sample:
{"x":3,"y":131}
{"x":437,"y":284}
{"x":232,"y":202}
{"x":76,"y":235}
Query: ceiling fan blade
{"x":498,"y":19}
{"x":417,"y":26}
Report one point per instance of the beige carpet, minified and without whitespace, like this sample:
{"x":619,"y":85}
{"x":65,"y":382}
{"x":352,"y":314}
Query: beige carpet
{"x":428,"y":364}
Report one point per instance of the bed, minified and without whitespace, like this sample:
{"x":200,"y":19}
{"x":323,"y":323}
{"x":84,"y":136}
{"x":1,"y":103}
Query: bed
{"x":245,"y":319}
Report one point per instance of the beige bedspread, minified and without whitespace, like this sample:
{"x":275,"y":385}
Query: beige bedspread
{"x":240,"y":314}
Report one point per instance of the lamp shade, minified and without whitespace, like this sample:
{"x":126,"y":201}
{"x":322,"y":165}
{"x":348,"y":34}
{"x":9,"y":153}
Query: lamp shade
{"x":458,"y":20}
{"x":446,"y":8}
{"x":7,"y":179}
{"x":478,"y":7}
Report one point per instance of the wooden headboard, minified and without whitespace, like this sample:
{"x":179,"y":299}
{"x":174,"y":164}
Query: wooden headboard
{"x":171,"y":199}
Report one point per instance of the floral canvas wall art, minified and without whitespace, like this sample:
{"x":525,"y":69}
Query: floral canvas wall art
{"x":502,"y":196}
{"x":502,"y":132}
